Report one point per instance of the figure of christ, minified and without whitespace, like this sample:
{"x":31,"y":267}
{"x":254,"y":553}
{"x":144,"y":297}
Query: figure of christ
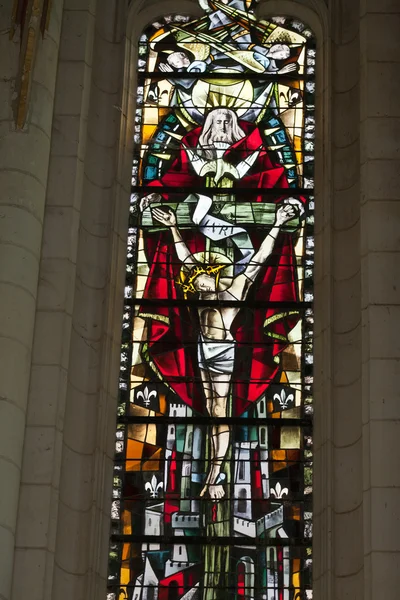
{"x":216,"y":345}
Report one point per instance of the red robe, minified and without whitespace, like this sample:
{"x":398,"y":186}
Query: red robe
{"x":260,"y":333}
{"x":263,"y":175}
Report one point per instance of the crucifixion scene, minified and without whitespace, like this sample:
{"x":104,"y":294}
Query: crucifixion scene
{"x":213,"y":468}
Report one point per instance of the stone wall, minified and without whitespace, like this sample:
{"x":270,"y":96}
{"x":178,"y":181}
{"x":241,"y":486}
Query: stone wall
{"x":24,"y":163}
{"x":66,"y":184}
{"x":380,"y":294}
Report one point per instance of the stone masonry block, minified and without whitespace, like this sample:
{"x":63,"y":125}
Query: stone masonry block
{"x":382,"y":226}
{"x":348,"y":528}
{"x":77,"y":36}
{"x":385,"y":519}
{"x":47,"y":396}
{"x":381,"y":271}
{"x":348,"y":477}
{"x":74,"y":82}
{"x":6,"y":563}
{"x":13,"y":388}
{"x":20,"y":269}
{"x":385,"y":569}
{"x":12,"y":429}
{"x":67,"y":136}
{"x":380,"y":98}
{"x":385,"y":453}
{"x":381,"y":31}
{"x":39,"y":454}
{"x":381,"y":180}
{"x":61,"y":232}
{"x":18,"y":308}
{"x":65,"y":181}
{"x":80,"y":431}
{"x":76,"y":486}
{"x":347,"y":414}
{"x":346,"y":366}
{"x":56,"y":285}
{"x":34,"y":510}
{"x":381,"y":138}
{"x":26,"y":153}
{"x":50,"y":347}
{"x":11,"y":474}
{"x":384,"y":341}
{"x":384,"y":389}
{"x":29,"y":574}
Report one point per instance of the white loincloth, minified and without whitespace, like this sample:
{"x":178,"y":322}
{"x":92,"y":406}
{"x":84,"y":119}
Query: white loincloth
{"x":216,"y":356}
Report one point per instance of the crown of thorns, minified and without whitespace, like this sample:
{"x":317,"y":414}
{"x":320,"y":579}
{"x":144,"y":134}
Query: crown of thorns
{"x":188,"y":281}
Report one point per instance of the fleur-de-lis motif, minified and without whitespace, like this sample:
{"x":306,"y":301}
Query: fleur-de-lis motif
{"x":284,"y":399}
{"x":146,"y":395}
{"x":154,"y":487}
{"x":279,"y":491}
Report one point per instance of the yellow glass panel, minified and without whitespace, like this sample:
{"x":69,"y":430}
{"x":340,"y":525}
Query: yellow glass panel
{"x":148,"y":132}
{"x":290,"y":437}
{"x":154,"y":463}
{"x":125,"y":573}
{"x":127,"y":522}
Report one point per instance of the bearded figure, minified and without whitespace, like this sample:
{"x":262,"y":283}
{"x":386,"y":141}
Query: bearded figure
{"x":225,"y":155}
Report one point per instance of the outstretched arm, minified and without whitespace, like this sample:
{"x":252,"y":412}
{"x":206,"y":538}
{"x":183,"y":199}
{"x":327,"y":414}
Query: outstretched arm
{"x":284,"y":214}
{"x":241,"y":284}
{"x":168,"y":218}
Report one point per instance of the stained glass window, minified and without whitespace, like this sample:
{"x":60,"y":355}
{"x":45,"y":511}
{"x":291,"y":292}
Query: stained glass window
{"x":213,"y":471}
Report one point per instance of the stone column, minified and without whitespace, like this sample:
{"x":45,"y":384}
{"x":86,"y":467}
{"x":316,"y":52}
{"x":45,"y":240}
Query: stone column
{"x":24,"y":158}
{"x":347,"y":447}
{"x":66,"y":535}
{"x":83,"y":525}
{"x":380,"y":247}
{"x":338,"y":542}
{"x":40,"y":485}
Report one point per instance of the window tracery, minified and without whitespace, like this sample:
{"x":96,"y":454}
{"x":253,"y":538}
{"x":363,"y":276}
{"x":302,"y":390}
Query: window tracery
{"x":212,"y":478}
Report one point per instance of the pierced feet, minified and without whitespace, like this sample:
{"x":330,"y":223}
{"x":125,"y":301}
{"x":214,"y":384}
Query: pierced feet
{"x":214,"y":490}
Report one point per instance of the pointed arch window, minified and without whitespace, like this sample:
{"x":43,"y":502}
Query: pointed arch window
{"x":214,"y":441}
